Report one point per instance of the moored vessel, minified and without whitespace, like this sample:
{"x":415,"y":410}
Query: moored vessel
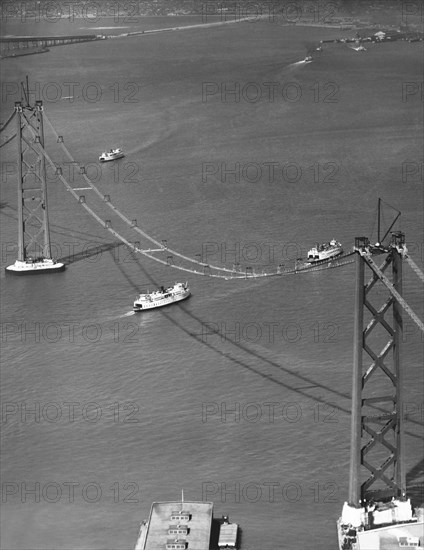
{"x":162,"y":297}
{"x":325,"y":251}
{"x":113,"y":154}
{"x":228,"y":533}
{"x":177,"y":526}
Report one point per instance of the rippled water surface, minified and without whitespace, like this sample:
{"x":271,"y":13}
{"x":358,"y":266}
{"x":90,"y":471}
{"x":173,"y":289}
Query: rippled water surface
{"x":130,"y":409}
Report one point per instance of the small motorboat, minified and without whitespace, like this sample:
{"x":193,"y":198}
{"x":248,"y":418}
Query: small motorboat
{"x":113,"y":154}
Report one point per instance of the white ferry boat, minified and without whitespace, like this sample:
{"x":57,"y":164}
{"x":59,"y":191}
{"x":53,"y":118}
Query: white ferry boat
{"x":34,"y":266}
{"x":324,"y":251}
{"x":162,"y":297}
{"x":113,"y":154}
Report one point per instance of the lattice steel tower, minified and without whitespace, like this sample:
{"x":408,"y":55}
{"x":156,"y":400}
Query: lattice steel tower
{"x":377,"y":424}
{"x":34,"y":248}
{"x":378,"y":513}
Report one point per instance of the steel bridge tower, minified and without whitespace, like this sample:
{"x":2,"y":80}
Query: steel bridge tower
{"x":377,"y":425}
{"x":378,"y":512}
{"x":34,"y":248}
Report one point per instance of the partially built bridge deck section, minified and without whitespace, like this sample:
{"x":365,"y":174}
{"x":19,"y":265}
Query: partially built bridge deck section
{"x":20,"y":45}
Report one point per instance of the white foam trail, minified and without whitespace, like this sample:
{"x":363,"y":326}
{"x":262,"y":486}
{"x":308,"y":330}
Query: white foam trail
{"x":148,"y":143}
{"x":299,"y":63}
{"x":115,"y":317}
{"x":101,"y":28}
{"x":303,"y":62}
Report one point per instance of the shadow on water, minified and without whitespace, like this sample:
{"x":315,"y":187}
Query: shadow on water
{"x":91,"y":248}
{"x":90,"y":252}
{"x":300,"y":390}
{"x":227,"y":355}
{"x":415,"y":484}
{"x":214,"y":534}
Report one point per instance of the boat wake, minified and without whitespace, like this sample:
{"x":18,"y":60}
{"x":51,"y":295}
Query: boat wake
{"x":300,"y":63}
{"x":104,"y":28}
{"x":143,"y":321}
{"x":150,"y":142}
{"x":297,"y":65}
{"x":114,"y":318}
{"x":128,"y":314}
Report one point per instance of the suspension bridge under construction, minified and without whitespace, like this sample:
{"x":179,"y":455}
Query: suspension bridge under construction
{"x":378,"y":509}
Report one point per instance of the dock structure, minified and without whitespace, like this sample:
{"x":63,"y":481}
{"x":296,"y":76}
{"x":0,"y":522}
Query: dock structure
{"x":181,"y":525}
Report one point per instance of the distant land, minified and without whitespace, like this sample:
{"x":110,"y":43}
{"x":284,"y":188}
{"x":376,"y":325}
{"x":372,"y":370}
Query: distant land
{"x":388,"y":12}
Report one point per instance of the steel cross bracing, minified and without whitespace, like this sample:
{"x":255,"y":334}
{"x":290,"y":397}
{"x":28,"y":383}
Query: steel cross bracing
{"x":376,"y":467}
{"x":33,"y":223}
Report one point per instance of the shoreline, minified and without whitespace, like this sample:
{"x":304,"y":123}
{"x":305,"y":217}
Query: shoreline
{"x":302,"y":24}
{"x":42,"y":47}
{"x":17,"y":52}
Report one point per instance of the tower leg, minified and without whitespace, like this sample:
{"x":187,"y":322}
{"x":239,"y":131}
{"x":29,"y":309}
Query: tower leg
{"x":356,"y":428}
{"x":399,"y":474}
{"x":21,"y":244}
{"x":46,"y":229}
